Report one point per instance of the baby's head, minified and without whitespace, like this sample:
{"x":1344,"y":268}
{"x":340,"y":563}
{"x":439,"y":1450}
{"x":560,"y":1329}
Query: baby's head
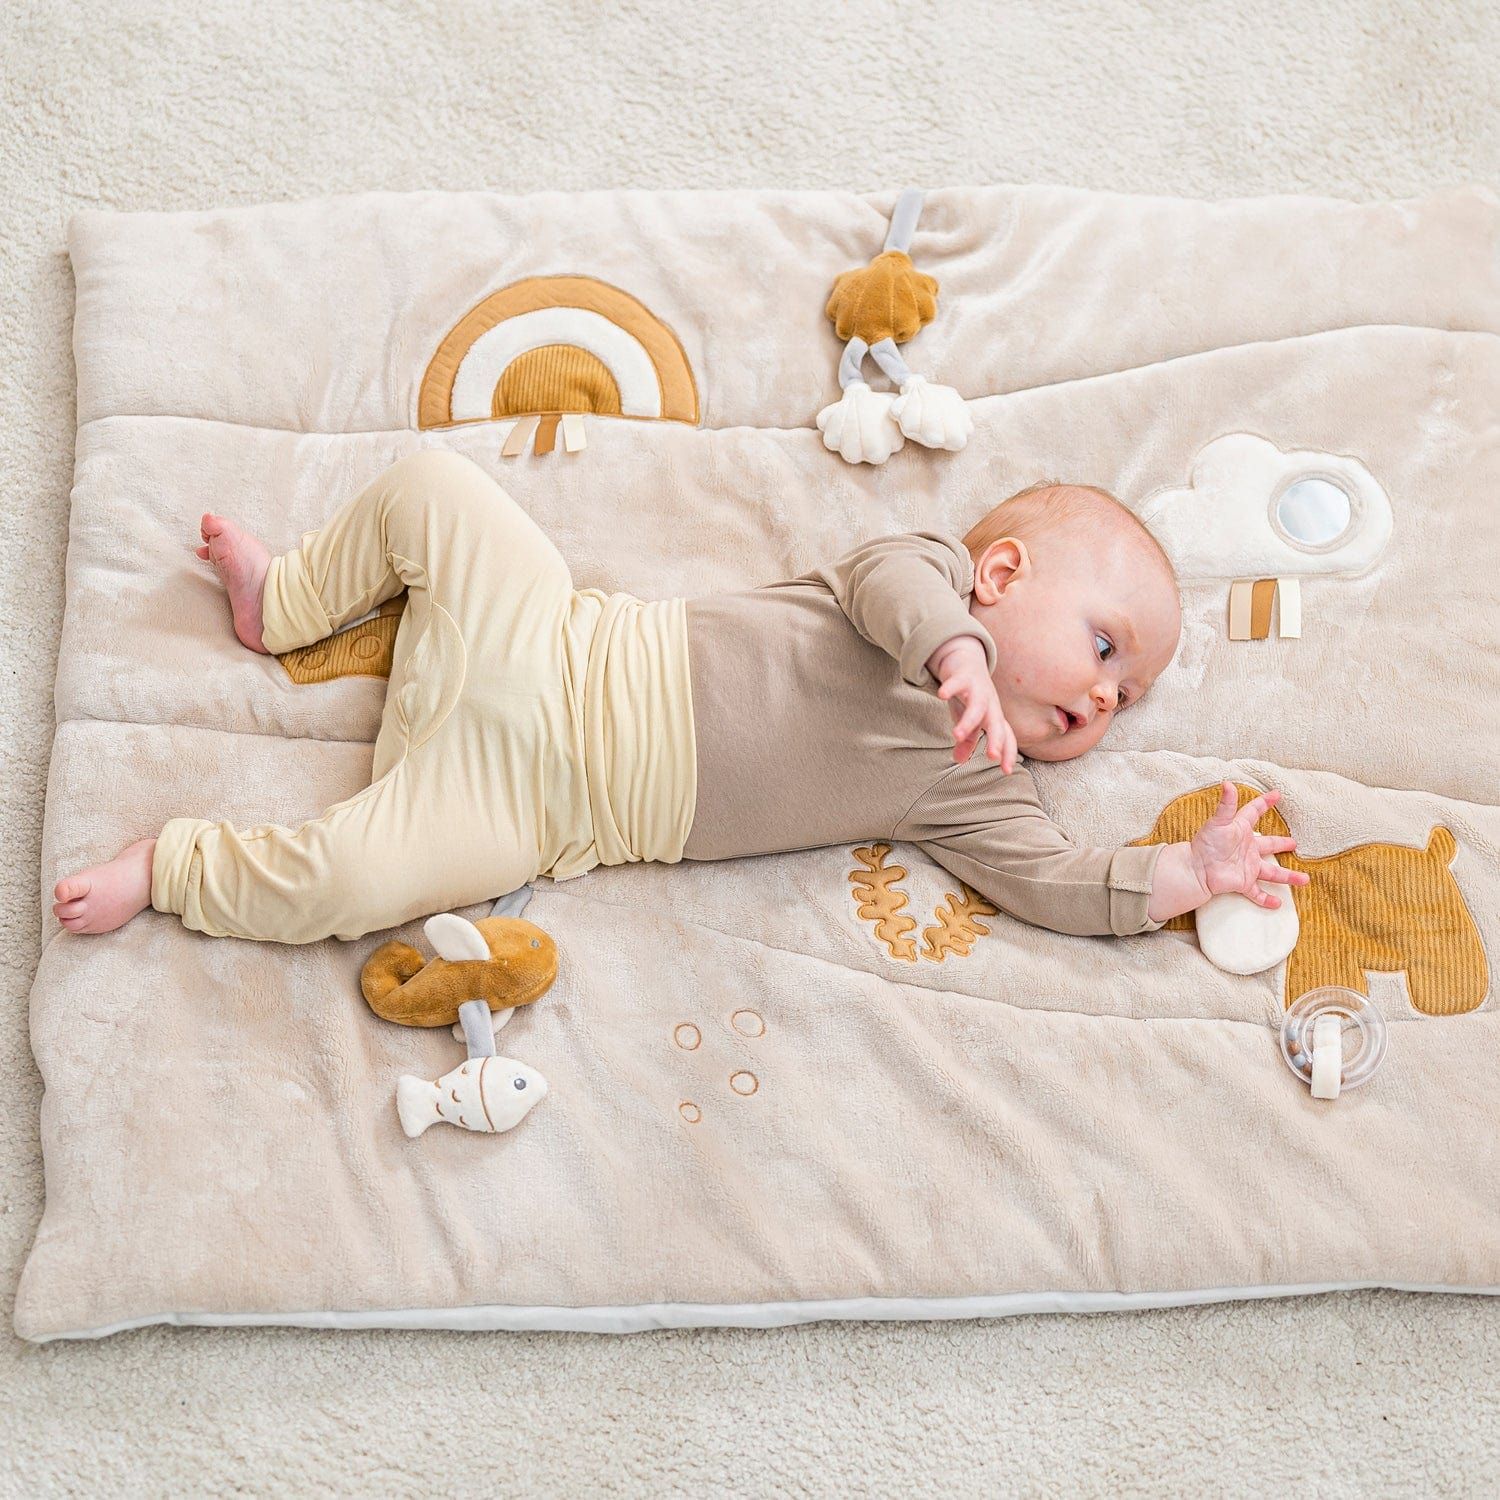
{"x":1082,"y":604}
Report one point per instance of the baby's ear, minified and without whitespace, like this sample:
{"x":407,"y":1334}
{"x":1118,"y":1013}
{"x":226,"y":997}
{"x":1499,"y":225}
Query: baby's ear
{"x":999,"y":565}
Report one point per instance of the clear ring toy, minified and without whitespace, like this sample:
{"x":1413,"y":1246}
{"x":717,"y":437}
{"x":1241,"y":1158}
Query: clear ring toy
{"x":1333,"y":1039}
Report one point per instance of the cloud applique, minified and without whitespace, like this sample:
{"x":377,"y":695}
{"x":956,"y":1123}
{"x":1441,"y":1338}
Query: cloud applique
{"x":1250,"y":510}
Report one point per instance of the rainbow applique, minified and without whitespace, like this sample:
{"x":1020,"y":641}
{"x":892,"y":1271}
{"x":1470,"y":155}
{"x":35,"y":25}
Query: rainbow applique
{"x":549,"y":349}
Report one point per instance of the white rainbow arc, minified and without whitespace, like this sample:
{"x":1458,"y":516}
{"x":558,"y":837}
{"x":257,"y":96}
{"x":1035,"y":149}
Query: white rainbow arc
{"x":621,"y":353}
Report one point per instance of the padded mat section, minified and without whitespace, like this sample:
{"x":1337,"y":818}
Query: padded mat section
{"x":831,"y":1073}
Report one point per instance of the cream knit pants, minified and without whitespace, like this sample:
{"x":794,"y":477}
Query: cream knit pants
{"x":529,"y":727}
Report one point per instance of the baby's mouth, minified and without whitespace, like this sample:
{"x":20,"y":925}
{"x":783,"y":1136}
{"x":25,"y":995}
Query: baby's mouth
{"x":1065,"y":720}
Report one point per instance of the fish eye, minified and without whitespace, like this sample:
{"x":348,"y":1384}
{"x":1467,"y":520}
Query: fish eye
{"x":519,"y":1083}
{"x":1104,"y":646}
{"x":536,"y":942}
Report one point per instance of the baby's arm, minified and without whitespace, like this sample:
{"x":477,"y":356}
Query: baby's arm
{"x":994,"y":834}
{"x":905,"y":594}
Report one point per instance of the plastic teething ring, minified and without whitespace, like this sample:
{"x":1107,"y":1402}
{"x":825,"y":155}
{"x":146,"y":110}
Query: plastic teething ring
{"x":1364,"y":1033}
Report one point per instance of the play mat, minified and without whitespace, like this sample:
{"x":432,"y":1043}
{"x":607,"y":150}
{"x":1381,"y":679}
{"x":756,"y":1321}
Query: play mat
{"x":834,"y":1082}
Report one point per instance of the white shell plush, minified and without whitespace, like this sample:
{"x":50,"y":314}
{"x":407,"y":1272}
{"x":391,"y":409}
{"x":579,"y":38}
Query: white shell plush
{"x":860,"y":427}
{"x":1240,"y":937}
{"x":488,"y":1094}
{"x":934,"y":415}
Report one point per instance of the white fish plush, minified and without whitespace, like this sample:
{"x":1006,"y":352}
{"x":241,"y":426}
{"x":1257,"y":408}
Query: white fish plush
{"x":487,"y":1094}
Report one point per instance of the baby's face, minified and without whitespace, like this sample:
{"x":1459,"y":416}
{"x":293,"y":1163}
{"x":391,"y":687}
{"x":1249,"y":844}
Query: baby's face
{"x":1082,"y":626}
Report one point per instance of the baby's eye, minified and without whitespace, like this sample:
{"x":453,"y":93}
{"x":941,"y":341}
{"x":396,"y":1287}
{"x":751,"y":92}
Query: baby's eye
{"x":1104,"y":646}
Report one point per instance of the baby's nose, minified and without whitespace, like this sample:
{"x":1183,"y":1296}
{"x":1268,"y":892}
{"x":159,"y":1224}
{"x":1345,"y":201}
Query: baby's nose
{"x":1105,"y":697}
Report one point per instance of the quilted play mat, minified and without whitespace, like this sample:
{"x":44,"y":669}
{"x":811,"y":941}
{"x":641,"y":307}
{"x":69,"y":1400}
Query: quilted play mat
{"x":836,"y":1081}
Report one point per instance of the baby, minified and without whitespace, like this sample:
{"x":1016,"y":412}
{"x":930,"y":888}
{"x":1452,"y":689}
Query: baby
{"x":534,"y":728}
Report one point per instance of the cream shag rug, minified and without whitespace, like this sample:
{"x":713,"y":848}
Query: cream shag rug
{"x":176,"y":105}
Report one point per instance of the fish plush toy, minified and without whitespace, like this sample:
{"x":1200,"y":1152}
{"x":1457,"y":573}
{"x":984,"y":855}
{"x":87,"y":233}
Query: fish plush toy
{"x":484,"y":1093}
{"x":481,"y":973}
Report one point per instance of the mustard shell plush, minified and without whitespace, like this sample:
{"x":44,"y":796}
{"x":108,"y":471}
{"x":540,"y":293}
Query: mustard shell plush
{"x":400,"y":985}
{"x":887,"y":299}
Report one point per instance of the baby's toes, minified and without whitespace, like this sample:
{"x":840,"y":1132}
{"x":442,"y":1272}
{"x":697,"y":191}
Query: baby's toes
{"x":70,"y":888}
{"x":70,"y":913}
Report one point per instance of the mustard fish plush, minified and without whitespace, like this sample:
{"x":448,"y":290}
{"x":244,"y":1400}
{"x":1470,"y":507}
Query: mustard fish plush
{"x":504,"y":961}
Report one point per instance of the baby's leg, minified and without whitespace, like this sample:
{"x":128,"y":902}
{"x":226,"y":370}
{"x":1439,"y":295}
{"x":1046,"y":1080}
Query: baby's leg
{"x":412,"y":843}
{"x":420,"y":840}
{"x":379,"y":542}
{"x":337,"y":573}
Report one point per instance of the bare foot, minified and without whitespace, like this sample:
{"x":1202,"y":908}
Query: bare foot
{"x":241,"y":561}
{"x":104,"y":897}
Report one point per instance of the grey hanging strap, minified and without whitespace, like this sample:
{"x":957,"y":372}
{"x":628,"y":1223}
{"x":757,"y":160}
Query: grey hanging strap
{"x":904,"y":218}
{"x":479,"y":1029}
{"x":849,"y":365}
{"x":888,"y":357}
{"x":513,"y":904}
{"x":475,"y":1016}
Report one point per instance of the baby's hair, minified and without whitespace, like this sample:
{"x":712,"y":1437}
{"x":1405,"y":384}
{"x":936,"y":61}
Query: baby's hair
{"x":1051,"y":505}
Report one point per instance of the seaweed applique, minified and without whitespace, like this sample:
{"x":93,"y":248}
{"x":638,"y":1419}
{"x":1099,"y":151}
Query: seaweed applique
{"x":958,"y":927}
{"x":880,"y":899}
{"x":1375,"y":908}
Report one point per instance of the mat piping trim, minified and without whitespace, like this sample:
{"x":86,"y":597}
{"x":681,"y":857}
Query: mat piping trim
{"x":504,"y":1317}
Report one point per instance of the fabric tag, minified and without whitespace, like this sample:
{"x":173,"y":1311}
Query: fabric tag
{"x":519,"y":436}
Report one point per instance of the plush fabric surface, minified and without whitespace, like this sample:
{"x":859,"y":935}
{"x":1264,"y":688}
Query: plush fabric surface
{"x":162,"y":108}
{"x":1026,"y":1113}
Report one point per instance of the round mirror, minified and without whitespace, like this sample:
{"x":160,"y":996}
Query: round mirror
{"x":1313,"y":513}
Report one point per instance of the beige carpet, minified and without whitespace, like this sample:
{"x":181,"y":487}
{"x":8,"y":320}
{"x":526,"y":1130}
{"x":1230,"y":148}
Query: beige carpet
{"x":169,"y":105}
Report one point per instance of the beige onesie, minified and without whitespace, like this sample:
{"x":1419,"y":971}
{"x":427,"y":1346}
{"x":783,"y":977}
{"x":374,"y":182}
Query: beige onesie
{"x":533,"y":728}
{"x":817,"y":722}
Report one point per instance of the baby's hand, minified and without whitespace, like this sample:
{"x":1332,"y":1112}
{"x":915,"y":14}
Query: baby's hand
{"x":1229,"y":855}
{"x":965,"y":684}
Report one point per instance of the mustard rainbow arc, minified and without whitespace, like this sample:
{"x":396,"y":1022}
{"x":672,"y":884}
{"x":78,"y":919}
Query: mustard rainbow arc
{"x":551,"y":346}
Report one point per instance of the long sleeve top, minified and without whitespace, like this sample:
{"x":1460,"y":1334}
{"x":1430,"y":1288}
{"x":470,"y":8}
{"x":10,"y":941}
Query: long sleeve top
{"x":817,"y":722}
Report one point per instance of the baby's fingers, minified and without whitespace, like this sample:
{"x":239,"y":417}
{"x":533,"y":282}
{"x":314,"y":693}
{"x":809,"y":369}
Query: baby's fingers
{"x":1257,"y":807}
{"x":1266,"y":843}
{"x":994,"y":733}
{"x":1264,"y":898}
{"x":999,"y":739}
{"x":973,"y":716}
{"x":1279,"y":875}
{"x":1010,"y":752}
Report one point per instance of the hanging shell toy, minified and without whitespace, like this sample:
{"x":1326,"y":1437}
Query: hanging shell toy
{"x":482,"y":972}
{"x":886,"y":303}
